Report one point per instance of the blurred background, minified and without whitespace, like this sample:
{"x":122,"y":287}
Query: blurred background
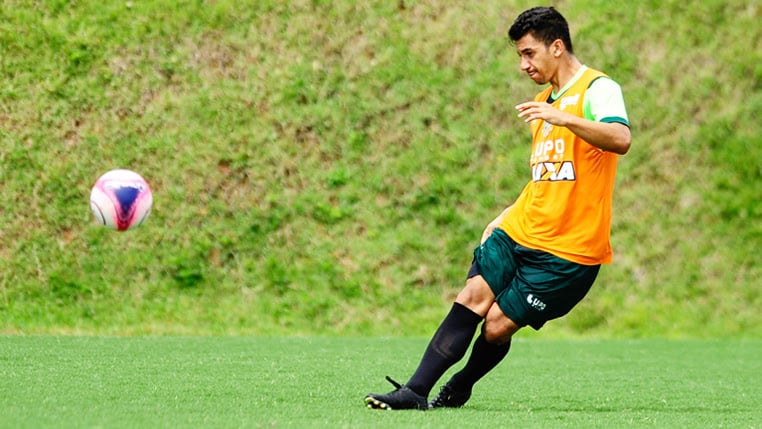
{"x":326,"y":168}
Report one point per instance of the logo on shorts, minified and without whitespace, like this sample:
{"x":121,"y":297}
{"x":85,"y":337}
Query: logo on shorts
{"x":535,"y":302}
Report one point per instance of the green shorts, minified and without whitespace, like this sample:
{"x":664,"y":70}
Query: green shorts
{"x":530,"y":286}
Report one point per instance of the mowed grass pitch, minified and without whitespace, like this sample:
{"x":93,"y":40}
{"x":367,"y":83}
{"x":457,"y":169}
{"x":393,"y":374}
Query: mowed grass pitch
{"x":220,"y":382}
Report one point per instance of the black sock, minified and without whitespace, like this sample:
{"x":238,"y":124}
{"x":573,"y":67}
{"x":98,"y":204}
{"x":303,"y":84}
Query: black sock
{"x":448,"y":345}
{"x":484,"y":357}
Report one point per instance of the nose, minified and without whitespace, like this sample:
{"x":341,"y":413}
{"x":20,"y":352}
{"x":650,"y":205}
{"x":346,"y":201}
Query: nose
{"x":525,"y":65}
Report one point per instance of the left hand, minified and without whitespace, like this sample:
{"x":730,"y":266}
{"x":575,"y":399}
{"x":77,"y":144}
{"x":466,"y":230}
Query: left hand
{"x":532,"y":110}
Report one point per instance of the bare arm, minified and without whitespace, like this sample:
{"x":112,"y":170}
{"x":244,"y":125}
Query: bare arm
{"x":611,"y":137}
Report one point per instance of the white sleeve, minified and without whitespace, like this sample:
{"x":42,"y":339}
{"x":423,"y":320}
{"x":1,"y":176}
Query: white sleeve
{"x":604,"y":102}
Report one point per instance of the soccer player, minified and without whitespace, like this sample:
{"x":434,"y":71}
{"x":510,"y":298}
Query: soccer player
{"x":540,"y":256}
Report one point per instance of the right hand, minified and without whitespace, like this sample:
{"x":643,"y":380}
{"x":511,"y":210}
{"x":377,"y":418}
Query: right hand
{"x":488,"y":231}
{"x":494,"y":224}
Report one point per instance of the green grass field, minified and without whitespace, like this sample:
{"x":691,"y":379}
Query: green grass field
{"x":318,"y":382}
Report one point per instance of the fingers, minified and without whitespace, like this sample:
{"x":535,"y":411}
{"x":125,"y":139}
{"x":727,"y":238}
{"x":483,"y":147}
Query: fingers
{"x":527,"y":110}
{"x":532,"y":110}
{"x":529,"y":104}
{"x":524,"y":106}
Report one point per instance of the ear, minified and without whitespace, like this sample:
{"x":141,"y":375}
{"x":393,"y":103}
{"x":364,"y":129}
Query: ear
{"x":557,"y":48}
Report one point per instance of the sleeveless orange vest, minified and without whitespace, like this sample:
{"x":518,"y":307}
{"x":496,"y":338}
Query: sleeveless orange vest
{"x":565,"y":209}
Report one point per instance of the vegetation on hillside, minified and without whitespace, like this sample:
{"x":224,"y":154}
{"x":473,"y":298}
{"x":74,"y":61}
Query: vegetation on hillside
{"x":327,"y":167}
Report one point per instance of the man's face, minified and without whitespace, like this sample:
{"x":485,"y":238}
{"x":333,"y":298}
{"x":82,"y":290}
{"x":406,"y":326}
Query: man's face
{"x":537,"y":60}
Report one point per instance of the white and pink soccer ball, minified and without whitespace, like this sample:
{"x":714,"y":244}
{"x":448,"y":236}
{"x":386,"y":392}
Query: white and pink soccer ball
{"x":121,"y":199}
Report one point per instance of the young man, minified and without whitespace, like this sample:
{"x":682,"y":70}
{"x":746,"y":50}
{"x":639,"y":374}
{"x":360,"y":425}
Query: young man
{"x":540,"y":256}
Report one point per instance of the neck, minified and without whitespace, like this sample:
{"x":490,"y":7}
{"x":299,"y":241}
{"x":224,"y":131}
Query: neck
{"x":566,"y":70}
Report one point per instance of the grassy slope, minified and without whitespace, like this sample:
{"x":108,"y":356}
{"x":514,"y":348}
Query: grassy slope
{"x":328,"y":168}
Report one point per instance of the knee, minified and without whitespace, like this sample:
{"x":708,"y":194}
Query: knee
{"x":477,"y":296}
{"x":495,"y":335}
{"x":498,"y":328}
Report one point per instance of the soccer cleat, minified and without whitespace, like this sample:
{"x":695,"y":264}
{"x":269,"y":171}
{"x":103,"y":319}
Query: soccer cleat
{"x":450,"y":398}
{"x":401,"y":398}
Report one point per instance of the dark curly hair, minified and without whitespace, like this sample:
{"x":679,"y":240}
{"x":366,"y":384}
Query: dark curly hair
{"x":546,"y":25}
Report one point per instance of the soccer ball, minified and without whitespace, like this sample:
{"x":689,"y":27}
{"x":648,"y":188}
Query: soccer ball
{"x":121,"y":199}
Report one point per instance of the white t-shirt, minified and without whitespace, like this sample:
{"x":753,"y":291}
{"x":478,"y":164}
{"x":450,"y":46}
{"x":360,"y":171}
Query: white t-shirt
{"x":604,"y":101}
